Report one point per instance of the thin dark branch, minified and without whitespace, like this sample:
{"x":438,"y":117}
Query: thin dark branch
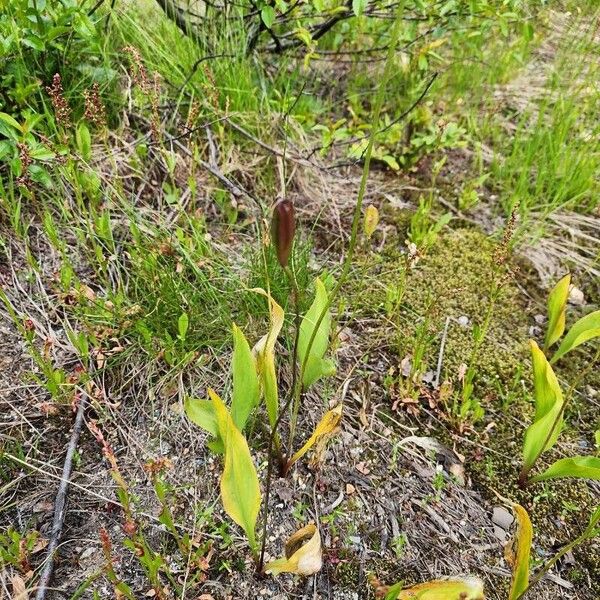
{"x":60,"y":503}
{"x":197,"y":64}
{"x":176,"y":15}
{"x":413,"y":105}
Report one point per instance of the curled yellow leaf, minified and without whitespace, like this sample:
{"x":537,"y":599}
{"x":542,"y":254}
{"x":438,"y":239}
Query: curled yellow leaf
{"x":326,"y":426}
{"x":464,"y":588}
{"x":264,"y":350}
{"x":518,"y":553}
{"x":303,"y":555}
{"x":371,"y":220}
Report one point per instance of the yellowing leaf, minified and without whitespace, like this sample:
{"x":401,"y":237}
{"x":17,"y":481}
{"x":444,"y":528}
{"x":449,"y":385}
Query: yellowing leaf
{"x":303,"y":554}
{"x":520,"y":553}
{"x":315,"y":365}
{"x":584,"y":467}
{"x":585,"y":329}
{"x":264,"y":351}
{"x":327,"y":425}
{"x":246,"y":393}
{"x":432,"y":46}
{"x":240,"y":490}
{"x":557,"y":304}
{"x":371,"y":220}
{"x":467,"y":588}
{"x":540,"y":436}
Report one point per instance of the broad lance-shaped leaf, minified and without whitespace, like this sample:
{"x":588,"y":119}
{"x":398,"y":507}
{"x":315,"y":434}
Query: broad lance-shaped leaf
{"x":463,"y":588}
{"x":201,"y":412}
{"x":585,"y":329}
{"x":548,"y":409}
{"x":316,"y":365}
{"x":326,"y":426}
{"x":264,"y":350}
{"x":519,"y":553}
{"x":557,"y":304}
{"x":583,"y":467}
{"x":303,"y":554}
{"x":240,"y":490}
{"x":246,"y":393}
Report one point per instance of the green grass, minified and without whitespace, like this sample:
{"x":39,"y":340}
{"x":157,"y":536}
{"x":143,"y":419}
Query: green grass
{"x":551,"y":159}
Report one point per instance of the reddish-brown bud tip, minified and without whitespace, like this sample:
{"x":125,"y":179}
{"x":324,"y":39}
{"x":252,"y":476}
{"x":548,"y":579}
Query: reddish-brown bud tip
{"x":283,"y":228}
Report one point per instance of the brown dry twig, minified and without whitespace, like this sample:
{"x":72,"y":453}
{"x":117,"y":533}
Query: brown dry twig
{"x":60,"y":502}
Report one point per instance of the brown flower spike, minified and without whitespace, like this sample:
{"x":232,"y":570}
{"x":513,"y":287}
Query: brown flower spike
{"x":283,"y":228}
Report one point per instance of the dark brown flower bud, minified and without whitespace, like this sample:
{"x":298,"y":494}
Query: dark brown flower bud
{"x":283,"y":227}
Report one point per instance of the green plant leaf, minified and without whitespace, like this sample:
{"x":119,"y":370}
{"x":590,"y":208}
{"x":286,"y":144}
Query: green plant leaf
{"x":594,"y":520}
{"x":467,"y":588}
{"x":6,"y":118}
{"x":583,"y":467}
{"x":42,"y":153}
{"x":585,"y":329}
{"x":519,"y":553}
{"x":246,"y":389}
{"x":240,"y":490}
{"x":326,"y":426}
{"x":548,"y":409}
{"x":264,"y":350}
{"x":303,"y":554}
{"x":84,"y":141}
{"x":201,"y":413}
{"x":84,"y":26}
{"x":267,"y":14}
{"x":394,"y":591}
{"x":316,"y":365}
{"x":359,"y":6}
{"x":557,"y":304}
{"x":182,"y":325}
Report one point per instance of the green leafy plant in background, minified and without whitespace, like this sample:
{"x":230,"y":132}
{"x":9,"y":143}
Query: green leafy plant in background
{"x":550,"y":403}
{"x":39,"y":40}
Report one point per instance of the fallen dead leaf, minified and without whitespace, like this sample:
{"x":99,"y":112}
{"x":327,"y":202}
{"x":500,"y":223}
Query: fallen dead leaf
{"x":18,"y":588}
{"x":361,"y":467}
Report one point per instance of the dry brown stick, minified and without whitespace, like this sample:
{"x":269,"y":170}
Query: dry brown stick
{"x":60,"y":503}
